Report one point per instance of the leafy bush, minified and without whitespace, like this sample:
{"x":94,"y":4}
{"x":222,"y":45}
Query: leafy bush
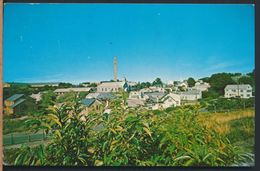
{"x":128,"y":137}
{"x":229,"y":104}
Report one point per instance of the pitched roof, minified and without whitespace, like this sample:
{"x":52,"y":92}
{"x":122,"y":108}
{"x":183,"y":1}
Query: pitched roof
{"x":112,"y":84}
{"x":18,"y":102}
{"x":105,"y":96}
{"x":15,"y":97}
{"x":190,"y":92}
{"x":239,"y":86}
{"x":155,"y":94}
{"x":88,"y":102}
{"x":92,"y":95}
{"x":135,"y":102}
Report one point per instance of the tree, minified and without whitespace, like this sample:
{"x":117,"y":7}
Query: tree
{"x":191,"y":82}
{"x":211,"y":93}
{"x":65,"y":85}
{"x":246,"y":80}
{"x":219,"y":81}
{"x":157,"y":82}
{"x":92,"y":85}
{"x":48,"y":99}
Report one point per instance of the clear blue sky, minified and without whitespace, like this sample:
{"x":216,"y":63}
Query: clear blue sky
{"x":77,"y":42}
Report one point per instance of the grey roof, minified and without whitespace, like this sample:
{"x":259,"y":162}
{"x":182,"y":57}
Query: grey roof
{"x":239,"y":86}
{"x":17,"y":103}
{"x":105,"y":96}
{"x":87,"y":102}
{"x":15,"y":97}
{"x":189,"y":92}
{"x":155,"y":94}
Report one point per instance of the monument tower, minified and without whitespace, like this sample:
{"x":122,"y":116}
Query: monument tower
{"x":115,"y":69}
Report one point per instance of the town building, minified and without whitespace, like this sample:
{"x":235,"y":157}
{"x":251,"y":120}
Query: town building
{"x":171,"y":99}
{"x":238,"y":90}
{"x":135,"y":102}
{"x":37,"y":97}
{"x":14,"y":104}
{"x":61,"y":91}
{"x":154,"y":97}
{"x":202,"y":86}
{"x":101,"y":96}
{"x":116,"y":86}
{"x":91,"y":104}
{"x":181,"y":84}
{"x":138,"y":95}
{"x":166,"y":101}
{"x":190,"y":95}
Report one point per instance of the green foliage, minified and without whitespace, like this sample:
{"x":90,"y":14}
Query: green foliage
{"x":230,"y":104}
{"x":157,"y":82}
{"x":65,"y":85}
{"x":242,"y":128}
{"x":127,"y":137}
{"x":210,"y":94}
{"x":17,"y":89}
{"x":191,"y":82}
{"x":82,"y":95}
{"x":92,"y":85}
{"x":219,"y":81}
{"x":142,"y":85}
{"x":48,"y":99}
{"x":11,"y":125}
{"x":67,"y":97}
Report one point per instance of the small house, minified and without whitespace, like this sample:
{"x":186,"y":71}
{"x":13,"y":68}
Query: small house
{"x":14,"y":104}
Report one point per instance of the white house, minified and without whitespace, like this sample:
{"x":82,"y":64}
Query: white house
{"x":112,"y":86}
{"x":138,"y":95}
{"x":153,"y":89}
{"x":171,"y":99}
{"x":135,"y":102}
{"x":183,"y":84}
{"x":190,"y":95}
{"x":202,"y":86}
{"x":37,"y":96}
{"x":239,"y":90}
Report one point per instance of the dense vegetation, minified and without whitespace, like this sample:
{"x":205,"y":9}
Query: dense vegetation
{"x":139,"y":137}
{"x":223,"y":104}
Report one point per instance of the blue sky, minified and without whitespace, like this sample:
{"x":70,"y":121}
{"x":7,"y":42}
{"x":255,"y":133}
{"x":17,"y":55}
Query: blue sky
{"x":77,"y":42}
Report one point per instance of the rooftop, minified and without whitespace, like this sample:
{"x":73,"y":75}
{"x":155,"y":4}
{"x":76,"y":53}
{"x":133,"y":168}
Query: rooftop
{"x":238,"y":86}
{"x":88,"y":102}
{"x":112,"y":84}
{"x":189,"y":92}
{"x":80,"y":89}
{"x":15,"y":97}
{"x":18,"y":102}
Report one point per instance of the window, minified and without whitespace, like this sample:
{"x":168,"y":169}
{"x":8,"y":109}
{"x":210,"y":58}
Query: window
{"x":248,"y":95}
{"x":248,"y":91}
{"x":241,"y":90}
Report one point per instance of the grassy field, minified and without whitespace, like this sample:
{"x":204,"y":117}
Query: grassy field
{"x":238,"y":126}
